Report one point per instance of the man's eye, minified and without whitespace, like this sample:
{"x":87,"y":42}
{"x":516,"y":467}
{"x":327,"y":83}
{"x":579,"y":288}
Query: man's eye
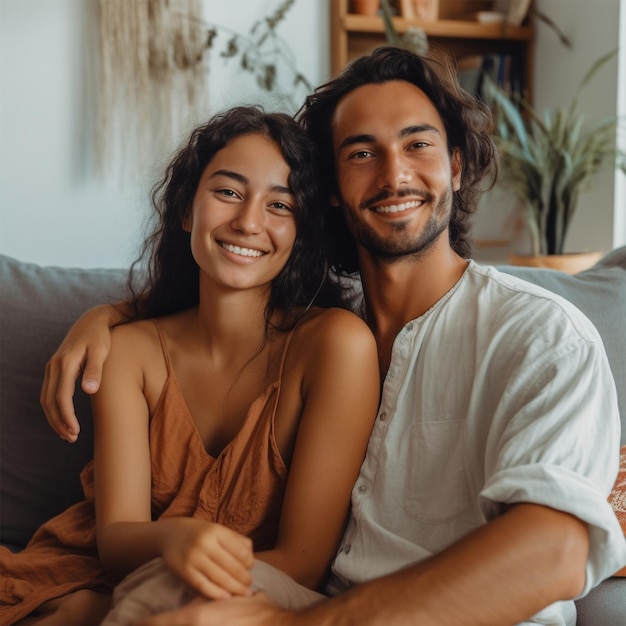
{"x":419,"y":144}
{"x":361,"y":154}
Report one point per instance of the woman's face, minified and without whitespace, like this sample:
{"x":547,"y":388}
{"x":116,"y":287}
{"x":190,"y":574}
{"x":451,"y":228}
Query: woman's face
{"x":242,"y":220}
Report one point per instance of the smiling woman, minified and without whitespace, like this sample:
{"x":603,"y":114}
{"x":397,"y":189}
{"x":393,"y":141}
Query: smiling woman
{"x":229,"y":343}
{"x":243,"y":225}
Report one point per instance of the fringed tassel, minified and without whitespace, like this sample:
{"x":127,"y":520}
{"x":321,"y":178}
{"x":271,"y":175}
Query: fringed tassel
{"x":153,"y":80}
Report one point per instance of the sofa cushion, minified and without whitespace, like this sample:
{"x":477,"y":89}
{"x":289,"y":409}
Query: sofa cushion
{"x":600,"y":293}
{"x":617,"y":498}
{"x":39,"y":473}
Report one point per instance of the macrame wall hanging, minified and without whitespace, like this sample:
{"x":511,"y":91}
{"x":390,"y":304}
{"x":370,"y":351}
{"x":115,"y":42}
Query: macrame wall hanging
{"x":153,"y":80}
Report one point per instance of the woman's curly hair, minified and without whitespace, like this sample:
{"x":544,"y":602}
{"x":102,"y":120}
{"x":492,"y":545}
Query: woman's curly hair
{"x":165,"y":277}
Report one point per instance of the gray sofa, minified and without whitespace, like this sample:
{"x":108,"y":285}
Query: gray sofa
{"x":39,"y":472}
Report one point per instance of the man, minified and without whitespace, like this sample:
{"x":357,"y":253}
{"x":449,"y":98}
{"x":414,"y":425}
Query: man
{"x":479,"y":501}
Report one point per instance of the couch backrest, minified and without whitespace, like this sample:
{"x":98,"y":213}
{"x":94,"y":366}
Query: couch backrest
{"x":38,"y":479}
{"x":600,"y":293}
{"x":39,"y":304}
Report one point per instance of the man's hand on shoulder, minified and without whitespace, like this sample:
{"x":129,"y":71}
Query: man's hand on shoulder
{"x":85,"y":347}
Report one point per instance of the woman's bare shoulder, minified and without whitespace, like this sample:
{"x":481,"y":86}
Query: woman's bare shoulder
{"x":138,"y":332}
{"x":139,"y":340}
{"x":332,"y":322}
{"x":146,"y":329}
{"x":325,"y":332}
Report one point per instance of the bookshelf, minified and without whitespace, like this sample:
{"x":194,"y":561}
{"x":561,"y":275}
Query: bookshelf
{"x":456,"y":30}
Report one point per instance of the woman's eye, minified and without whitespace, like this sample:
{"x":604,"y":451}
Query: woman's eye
{"x":281,"y":206}
{"x":229,"y":193}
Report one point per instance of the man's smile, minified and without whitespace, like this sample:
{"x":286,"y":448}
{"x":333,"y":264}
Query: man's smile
{"x":398,"y":208}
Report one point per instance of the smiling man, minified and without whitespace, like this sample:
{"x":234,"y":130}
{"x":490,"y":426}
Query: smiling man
{"x":482,"y":498}
{"x":379,"y":168}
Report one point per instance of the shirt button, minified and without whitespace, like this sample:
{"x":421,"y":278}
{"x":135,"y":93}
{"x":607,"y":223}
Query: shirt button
{"x":347,"y":548}
{"x":409,"y":326}
{"x":362,"y":488}
{"x":382,"y":417}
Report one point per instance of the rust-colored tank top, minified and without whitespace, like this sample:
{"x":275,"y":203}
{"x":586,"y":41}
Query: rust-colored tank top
{"x":242,"y":488}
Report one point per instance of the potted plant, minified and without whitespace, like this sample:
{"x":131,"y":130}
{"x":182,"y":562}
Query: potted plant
{"x":547,"y":160}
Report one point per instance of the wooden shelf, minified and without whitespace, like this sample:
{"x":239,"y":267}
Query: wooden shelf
{"x":457,"y":29}
{"x":353,"y":35}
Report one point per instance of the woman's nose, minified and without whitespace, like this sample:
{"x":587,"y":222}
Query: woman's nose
{"x":249,"y":217}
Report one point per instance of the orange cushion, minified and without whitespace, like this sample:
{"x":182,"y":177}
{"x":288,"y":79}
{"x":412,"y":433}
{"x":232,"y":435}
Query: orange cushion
{"x":618,"y":498}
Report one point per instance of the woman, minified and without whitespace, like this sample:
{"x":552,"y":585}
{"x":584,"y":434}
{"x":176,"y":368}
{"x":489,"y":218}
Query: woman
{"x":225,"y":421}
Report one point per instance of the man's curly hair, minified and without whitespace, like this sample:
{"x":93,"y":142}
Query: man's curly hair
{"x":467,"y":121}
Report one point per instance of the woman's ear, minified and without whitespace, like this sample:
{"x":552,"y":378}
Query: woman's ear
{"x":334,"y":201}
{"x":187,"y":222}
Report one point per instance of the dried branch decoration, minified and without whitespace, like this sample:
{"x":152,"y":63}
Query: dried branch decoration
{"x":152,"y":76}
{"x":265,"y":55}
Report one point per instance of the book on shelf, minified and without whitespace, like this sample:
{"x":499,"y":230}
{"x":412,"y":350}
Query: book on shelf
{"x":505,"y":70}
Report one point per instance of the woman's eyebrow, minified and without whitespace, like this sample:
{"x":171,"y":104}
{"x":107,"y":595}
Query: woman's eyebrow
{"x":277,"y":188}
{"x":281,"y":189}
{"x":230,"y":174}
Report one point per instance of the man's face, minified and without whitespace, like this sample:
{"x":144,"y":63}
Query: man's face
{"x":394,"y":172}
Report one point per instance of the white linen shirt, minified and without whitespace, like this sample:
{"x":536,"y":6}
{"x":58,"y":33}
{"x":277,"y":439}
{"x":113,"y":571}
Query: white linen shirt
{"x":500,"y":393}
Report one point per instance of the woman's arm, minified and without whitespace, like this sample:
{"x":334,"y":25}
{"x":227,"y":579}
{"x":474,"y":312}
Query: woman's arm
{"x":340,"y":395}
{"x":210,"y":557}
{"x":85,"y":347}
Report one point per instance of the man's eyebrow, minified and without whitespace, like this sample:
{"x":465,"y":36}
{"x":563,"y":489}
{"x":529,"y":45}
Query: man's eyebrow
{"x":240,"y":178}
{"x":349,"y":141}
{"x":405,"y":132}
{"x":419,"y":128}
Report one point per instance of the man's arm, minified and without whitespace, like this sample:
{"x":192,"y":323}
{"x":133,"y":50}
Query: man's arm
{"x":502,"y":573}
{"x":85,"y":347}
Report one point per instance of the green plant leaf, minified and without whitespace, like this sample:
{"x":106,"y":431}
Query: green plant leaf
{"x":548,"y":159}
{"x":391,"y":34}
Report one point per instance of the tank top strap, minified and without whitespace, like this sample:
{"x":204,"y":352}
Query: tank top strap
{"x":285,"y":350}
{"x":166,"y":355}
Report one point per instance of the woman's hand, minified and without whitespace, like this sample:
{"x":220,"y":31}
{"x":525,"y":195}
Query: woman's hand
{"x":213,"y":559}
{"x":85,"y":347}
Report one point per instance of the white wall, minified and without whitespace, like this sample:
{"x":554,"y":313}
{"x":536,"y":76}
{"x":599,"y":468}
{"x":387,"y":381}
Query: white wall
{"x":593,"y":28}
{"x":54,"y":207}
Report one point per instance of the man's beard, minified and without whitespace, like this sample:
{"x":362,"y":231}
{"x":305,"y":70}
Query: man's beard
{"x":402,"y":245}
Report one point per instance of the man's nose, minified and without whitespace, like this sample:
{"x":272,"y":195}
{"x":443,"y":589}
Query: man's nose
{"x":394,"y":171}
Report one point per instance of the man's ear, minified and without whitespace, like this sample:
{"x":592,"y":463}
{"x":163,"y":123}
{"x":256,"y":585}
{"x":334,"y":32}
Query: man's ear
{"x":456,"y":165}
{"x":334,"y":201}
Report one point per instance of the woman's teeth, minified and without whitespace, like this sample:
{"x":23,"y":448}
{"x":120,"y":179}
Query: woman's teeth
{"x":241,"y":251}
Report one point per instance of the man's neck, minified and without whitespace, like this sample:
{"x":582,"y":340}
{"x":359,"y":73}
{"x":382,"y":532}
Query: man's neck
{"x":399,"y":292}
